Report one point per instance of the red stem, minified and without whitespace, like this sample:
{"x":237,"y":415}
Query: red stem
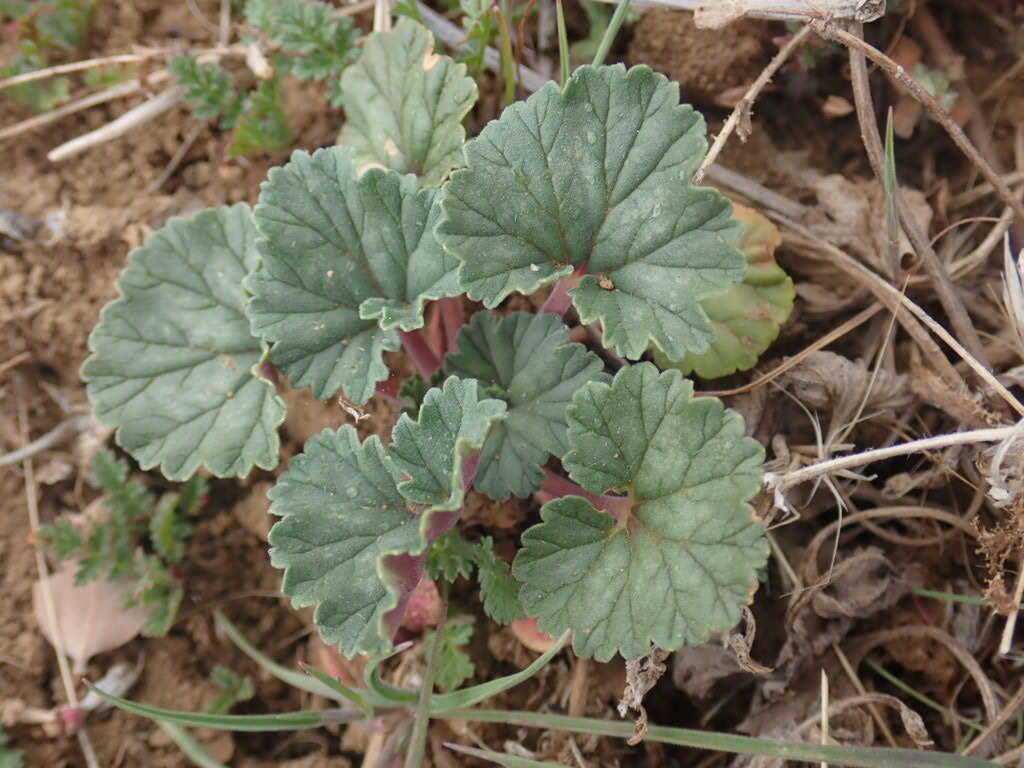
{"x":556,"y":487}
{"x":422,"y":355}
{"x":390,"y":387}
{"x":453,"y":317}
{"x":559,"y":301}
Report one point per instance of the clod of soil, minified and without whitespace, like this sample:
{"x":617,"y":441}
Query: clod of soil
{"x":707,"y":63}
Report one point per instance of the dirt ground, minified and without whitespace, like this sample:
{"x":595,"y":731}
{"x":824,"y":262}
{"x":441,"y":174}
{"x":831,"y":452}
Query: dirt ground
{"x":922,"y":524}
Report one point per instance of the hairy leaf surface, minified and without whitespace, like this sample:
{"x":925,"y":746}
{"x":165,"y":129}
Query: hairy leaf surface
{"x":356,"y":522}
{"x":346,"y":262}
{"x":745,"y":319}
{"x":595,"y":178}
{"x":405,"y":104}
{"x":682,"y":561}
{"x":530,"y":363}
{"x":172,"y":364}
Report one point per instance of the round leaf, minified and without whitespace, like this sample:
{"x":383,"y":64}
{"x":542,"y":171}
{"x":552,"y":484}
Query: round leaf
{"x":346,"y":261}
{"x":172,"y":364}
{"x":341,"y":513}
{"x":405,"y":104}
{"x":745,"y":319}
{"x":683,"y":560}
{"x":356,"y":523}
{"x":595,"y":178}
{"x":529,"y":362}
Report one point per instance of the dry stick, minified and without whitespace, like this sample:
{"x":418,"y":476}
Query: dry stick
{"x":50,"y":608}
{"x":989,"y":435}
{"x":107,"y":94}
{"x":741,"y":112}
{"x":899,"y":75}
{"x":851,"y":675}
{"x":1006,"y":641}
{"x":131,"y":119}
{"x":121,"y":58}
{"x":755,"y":192}
{"x":1008,"y":711}
{"x":890,"y":296}
{"x":949,"y":298}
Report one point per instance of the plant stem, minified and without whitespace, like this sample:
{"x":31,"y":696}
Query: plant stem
{"x":422,"y":355}
{"x":741,"y":112}
{"x":453,"y":317}
{"x":991,"y":435}
{"x":559,"y":301}
{"x":613,"y":29}
{"x":563,"y":43}
{"x":418,"y":740}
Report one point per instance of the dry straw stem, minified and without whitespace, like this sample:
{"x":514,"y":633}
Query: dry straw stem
{"x":789,"y":479}
{"x":740,"y":117}
{"x":947,"y":293}
{"x":32,"y":502}
{"x":130,"y":120}
{"x":103,"y":61}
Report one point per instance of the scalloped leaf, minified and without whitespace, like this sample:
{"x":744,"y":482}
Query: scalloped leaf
{"x":173,"y":364}
{"x":405,"y":103}
{"x":683,"y":560}
{"x":347,"y":261}
{"x":356,"y":522}
{"x":595,"y":178}
{"x":748,"y":317}
{"x":529,"y":362}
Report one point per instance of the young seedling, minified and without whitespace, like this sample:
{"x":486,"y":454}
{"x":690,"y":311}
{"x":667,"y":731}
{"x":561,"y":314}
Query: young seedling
{"x":356,"y":250}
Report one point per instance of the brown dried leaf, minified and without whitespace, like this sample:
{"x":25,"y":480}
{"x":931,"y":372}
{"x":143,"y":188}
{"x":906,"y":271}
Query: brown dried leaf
{"x":696,"y":668}
{"x":827,"y":381}
{"x":90,"y":619}
{"x":641,"y":675}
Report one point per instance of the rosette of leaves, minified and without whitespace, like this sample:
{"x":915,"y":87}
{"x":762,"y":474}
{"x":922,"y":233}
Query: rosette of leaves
{"x":528,"y":362}
{"x":747,"y":318}
{"x":594,"y":178}
{"x":676,"y":556}
{"x":357,"y":521}
{"x":173,"y":363}
{"x":348,"y":262}
{"x":404,"y":104}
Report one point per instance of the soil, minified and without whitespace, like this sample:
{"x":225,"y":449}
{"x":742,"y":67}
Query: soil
{"x":88,"y":213}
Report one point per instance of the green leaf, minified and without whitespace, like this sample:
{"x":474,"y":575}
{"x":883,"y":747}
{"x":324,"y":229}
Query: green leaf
{"x":324,"y":42}
{"x":39,"y":95}
{"x":682,"y":561}
{"x":346,"y":262}
{"x":529,"y":362}
{"x":595,"y":178}
{"x":64,"y":537}
{"x":405,"y":103}
{"x":168,"y":530}
{"x":745,"y":319}
{"x":206,"y":87}
{"x":234,"y":689}
{"x":454,"y":666}
{"x":110,"y":473}
{"x":9,"y":757}
{"x":172,"y":365}
{"x":341,"y":511}
{"x":262,"y":125}
{"x":450,"y":557}
{"x":354,"y":530}
{"x":161,"y":594}
{"x":63,"y":23}
{"x":481,"y":27}
{"x":498,"y":590}
{"x":414,"y":389}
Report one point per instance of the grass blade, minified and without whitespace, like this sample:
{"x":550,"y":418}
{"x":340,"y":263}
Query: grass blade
{"x":394,"y":697}
{"x":613,"y":29}
{"x":343,"y":691}
{"x":468,"y":697}
{"x":287,"y":721}
{"x":868,"y":757}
